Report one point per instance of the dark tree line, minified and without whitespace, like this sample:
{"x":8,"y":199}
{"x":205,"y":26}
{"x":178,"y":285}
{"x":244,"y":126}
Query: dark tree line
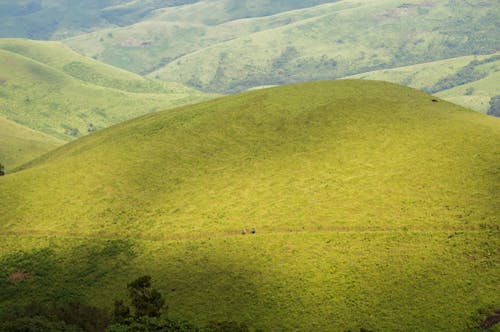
{"x":494,"y":106}
{"x":467,"y":74}
{"x":144,"y":311}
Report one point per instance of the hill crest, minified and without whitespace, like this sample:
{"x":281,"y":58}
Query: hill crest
{"x":366,"y":197}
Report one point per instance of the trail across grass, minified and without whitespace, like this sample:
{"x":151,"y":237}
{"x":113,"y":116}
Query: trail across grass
{"x":375,"y":207}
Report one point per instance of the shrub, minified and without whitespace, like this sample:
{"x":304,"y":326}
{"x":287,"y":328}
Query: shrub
{"x":494,"y":106}
{"x":146,"y":300}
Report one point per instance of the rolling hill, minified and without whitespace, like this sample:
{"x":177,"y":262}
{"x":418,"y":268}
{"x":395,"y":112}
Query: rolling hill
{"x":469,"y":81}
{"x":20,"y":144}
{"x":36,"y":19}
{"x":375,"y":207}
{"x":208,"y":46}
{"x":48,"y":87}
{"x":228,"y":46}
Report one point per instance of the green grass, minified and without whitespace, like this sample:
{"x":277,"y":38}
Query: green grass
{"x":221,"y":50}
{"x":20,"y":144}
{"x":174,"y":33}
{"x":474,"y":93}
{"x":63,"y":18}
{"x":228,"y":46}
{"x":49,"y":88}
{"x":374,"y":207}
{"x":342,"y":39}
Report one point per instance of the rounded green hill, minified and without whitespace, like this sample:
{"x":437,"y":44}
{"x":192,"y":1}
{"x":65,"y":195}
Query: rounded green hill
{"x":375,"y":206}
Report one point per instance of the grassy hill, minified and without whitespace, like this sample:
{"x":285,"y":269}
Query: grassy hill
{"x":170,"y":33}
{"x":57,"y":19}
{"x":470,"y":81}
{"x":49,"y":88}
{"x":20,"y":144}
{"x":375,"y":207}
{"x":221,"y":51}
{"x":475,"y":95}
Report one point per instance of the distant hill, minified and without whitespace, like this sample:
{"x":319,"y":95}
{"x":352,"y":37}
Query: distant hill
{"x":376,"y":207}
{"x":49,"y":88}
{"x":36,"y":19}
{"x":228,"y":46}
{"x":207,"y":46}
{"x":20,"y":144}
{"x":469,"y":81}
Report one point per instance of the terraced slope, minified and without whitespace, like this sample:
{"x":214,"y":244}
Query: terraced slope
{"x":375,"y":207}
{"x":19,"y":144}
{"x":469,"y":81}
{"x":49,"y":88}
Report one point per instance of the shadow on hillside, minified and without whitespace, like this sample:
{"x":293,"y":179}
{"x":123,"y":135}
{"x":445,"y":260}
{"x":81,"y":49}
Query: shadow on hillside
{"x":198,"y":287}
{"x":50,"y":275}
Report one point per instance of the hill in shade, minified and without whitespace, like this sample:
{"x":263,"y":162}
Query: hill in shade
{"x":375,"y":207}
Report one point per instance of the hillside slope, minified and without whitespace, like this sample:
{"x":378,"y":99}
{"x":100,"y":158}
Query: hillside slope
{"x":61,"y":18}
{"x":341,"y":39}
{"x":170,"y":33}
{"x":470,"y":81}
{"x":57,"y":19}
{"x":20,"y":144}
{"x":375,"y":207}
{"x":49,"y":88}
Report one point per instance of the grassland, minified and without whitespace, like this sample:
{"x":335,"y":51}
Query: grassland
{"x":470,"y":81}
{"x":375,"y":208}
{"x":63,"y":18}
{"x":227,"y":46}
{"x":47,"y":87}
{"x":20,"y":144}
{"x":220,"y":50}
{"x":474,"y":95}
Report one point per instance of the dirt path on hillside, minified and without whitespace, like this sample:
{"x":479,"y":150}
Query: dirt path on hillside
{"x":447,"y":233}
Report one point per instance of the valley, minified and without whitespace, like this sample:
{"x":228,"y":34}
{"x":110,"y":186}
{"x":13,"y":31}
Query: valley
{"x":249,"y":166}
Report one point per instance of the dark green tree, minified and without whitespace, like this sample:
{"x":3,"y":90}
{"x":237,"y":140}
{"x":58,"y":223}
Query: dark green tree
{"x":2,"y":170}
{"x":146,"y":300}
{"x":494,"y":106}
{"x":121,"y":312}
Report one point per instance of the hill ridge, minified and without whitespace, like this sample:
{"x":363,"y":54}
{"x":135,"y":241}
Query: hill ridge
{"x":73,"y":93}
{"x":413,"y":181}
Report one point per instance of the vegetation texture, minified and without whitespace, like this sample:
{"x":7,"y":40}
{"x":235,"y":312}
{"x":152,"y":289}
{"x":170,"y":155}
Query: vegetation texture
{"x":469,"y":81}
{"x":19,"y":144}
{"x":47,"y":87}
{"x":375,"y":208}
{"x":228,"y":46}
